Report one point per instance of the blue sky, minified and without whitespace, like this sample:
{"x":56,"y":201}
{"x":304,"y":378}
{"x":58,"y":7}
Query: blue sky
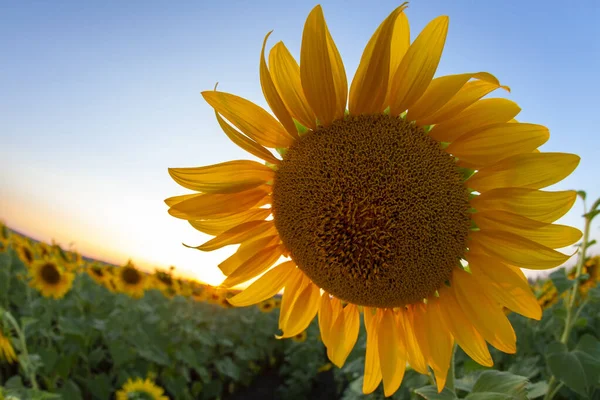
{"x":100,"y":98}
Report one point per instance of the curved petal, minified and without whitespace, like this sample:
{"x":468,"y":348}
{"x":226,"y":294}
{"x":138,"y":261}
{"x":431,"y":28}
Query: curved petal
{"x":248,"y":250}
{"x":171,"y":201}
{"x":534,"y":171}
{"x":302,"y":311}
{"x":256,"y":265}
{"x":464,"y":332}
{"x":413,"y":350}
{"x":291,"y":291}
{"x":550,"y":235}
{"x":485,"y":315}
{"x":286,"y":77}
{"x":272,"y":96}
{"x":372,"y":375}
{"x":237,"y":234}
{"x":399,"y":46}
{"x":370,"y":84}
{"x":343,"y":335}
{"x":496,"y":142}
{"x":441,"y":90}
{"x":326,"y":318}
{"x":245,"y":142}
{"x":481,"y":113}
{"x":392,"y":355}
{"x":518,"y":251}
{"x":210,"y":205}
{"x":531,"y":203}
{"x":505,"y":286}
{"x":265,"y":287}
{"x":418,"y":66}
{"x":249,"y":118}
{"x":322,"y":71}
{"x":227,"y":177}
{"x":217,"y":226}
{"x":467,"y":95}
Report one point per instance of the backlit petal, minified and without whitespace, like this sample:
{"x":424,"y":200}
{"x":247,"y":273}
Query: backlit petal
{"x":220,"y":225}
{"x":534,"y":171}
{"x":248,"y":250}
{"x":249,"y":118}
{"x":256,"y":265}
{"x":418,"y":66}
{"x":236,"y":235}
{"x":321,"y":70}
{"x":413,"y":351}
{"x":265,"y":287}
{"x":399,"y":46}
{"x":326,"y":318}
{"x":344,"y":333}
{"x":302,"y":312}
{"x":291,"y":291}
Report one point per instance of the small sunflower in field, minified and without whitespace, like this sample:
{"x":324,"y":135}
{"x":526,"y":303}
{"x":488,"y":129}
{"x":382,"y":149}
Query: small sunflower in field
{"x":7,"y":352}
{"x":44,"y":249}
{"x":300,"y":337}
{"x":418,"y":204}
{"x":131,"y":280}
{"x":50,"y":278}
{"x":141,"y":389}
{"x":100,"y":274}
{"x":25,"y":253}
{"x":266,"y":306}
{"x":4,"y":244}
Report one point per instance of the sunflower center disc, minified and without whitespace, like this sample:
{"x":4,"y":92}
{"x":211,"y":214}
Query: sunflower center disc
{"x":50,"y":274}
{"x":372,"y":210}
{"x":131,"y":275}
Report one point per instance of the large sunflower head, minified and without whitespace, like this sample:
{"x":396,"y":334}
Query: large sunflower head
{"x":50,"y":278}
{"x":131,"y":280}
{"x":409,"y":196}
{"x":142,"y":389}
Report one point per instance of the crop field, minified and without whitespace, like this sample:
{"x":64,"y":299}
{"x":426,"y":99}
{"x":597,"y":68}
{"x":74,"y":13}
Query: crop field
{"x":88,"y":330}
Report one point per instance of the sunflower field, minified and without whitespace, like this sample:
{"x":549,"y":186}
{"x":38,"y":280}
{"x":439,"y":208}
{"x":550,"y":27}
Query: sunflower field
{"x":74,"y":328}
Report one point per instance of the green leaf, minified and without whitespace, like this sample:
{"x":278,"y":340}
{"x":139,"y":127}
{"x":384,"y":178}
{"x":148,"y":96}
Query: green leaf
{"x":70,"y":390}
{"x":431,"y":393}
{"x":560,"y":280}
{"x":100,"y":386}
{"x":592,"y":214}
{"x":227,"y":367}
{"x":499,"y":382}
{"x":594,"y":294}
{"x":537,"y":389}
{"x":578,"y":369}
{"x":489,"y":396}
{"x":582,"y":194}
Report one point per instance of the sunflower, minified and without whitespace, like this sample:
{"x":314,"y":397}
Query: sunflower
{"x":131,"y":281}
{"x":266,"y":306}
{"x":7,"y":352}
{"x":100,"y":274}
{"x":25,"y":253}
{"x":418,"y":204}
{"x":141,"y":389}
{"x":4,"y":244}
{"x":50,"y":278}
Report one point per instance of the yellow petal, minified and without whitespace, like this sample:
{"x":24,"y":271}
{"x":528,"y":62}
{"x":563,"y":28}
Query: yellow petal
{"x":249,"y":118}
{"x":414,"y":353}
{"x":292,"y":290}
{"x":211,"y":205}
{"x":236,"y":235}
{"x":495,"y":142}
{"x":441,"y":90}
{"x":272,"y":96}
{"x":518,"y":251}
{"x":553,"y":236}
{"x":227,"y":177}
{"x":256,"y":265}
{"x":326,"y":318}
{"x":265,"y":287}
{"x":217,"y":226}
{"x":467,"y":95}
{"x":246,"y":252}
{"x":286,"y":77}
{"x":485,"y":315}
{"x":343,"y":335}
{"x":370,"y":84}
{"x":481,"y":113}
{"x":534,"y":171}
{"x":321,"y":70}
{"x":392,"y":357}
{"x":302,"y":311}
{"x":464,"y":332}
{"x":245,"y":142}
{"x":372,"y":375}
{"x":505,"y":286}
{"x":531,"y":203}
{"x":399,"y":46}
{"x":178,"y":199}
{"x":418,"y":66}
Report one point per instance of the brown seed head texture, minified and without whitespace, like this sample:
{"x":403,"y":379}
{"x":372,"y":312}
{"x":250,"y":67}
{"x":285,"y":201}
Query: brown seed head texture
{"x":372,"y":210}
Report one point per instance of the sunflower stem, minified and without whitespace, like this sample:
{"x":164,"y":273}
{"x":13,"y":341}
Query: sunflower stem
{"x":27,"y":365}
{"x":451,"y":373}
{"x":571,"y":317}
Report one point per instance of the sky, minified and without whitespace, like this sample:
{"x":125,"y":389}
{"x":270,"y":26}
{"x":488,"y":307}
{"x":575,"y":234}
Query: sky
{"x":98,"y":99}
